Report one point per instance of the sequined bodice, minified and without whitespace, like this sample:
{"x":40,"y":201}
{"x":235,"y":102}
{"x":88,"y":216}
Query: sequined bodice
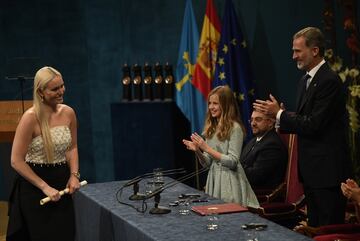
{"x":61,"y":138}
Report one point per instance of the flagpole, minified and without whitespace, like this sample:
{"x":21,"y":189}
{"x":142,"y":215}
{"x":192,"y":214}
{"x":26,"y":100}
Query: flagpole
{"x":197,"y":174}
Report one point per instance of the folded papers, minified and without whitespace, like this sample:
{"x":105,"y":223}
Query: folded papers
{"x":219,"y":208}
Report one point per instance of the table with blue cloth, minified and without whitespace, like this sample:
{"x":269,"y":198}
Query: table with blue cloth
{"x":100,"y":217}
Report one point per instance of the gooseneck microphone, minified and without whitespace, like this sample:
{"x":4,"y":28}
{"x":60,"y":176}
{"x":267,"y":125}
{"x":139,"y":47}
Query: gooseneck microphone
{"x":135,"y":181}
{"x":157,"y":209}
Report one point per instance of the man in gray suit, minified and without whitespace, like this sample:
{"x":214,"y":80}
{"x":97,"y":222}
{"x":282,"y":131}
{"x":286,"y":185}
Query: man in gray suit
{"x":320,"y":123}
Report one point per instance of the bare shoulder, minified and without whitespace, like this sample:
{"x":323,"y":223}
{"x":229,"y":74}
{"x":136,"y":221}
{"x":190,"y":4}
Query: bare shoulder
{"x":67,"y":110}
{"x":28,"y":122}
{"x":29,"y":117}
{"x":69,"y":114}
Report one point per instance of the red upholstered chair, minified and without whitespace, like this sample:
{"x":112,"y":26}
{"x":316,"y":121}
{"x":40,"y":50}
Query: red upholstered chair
{"x":333,"y":232}
{"x":281,"y":193}
{"x":289,"y":206}
{"x":338,"y":237}
{"x":347,"y":231}
{"x":339,"y":228}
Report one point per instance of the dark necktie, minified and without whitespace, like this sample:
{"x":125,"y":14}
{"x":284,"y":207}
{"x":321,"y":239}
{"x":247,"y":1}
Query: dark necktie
{"x":252,"y":148}
{"x":306,"y":80}
{"x":303,"y":85}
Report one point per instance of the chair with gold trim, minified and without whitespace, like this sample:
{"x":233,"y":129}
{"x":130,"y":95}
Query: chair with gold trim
{"x":289,"y":207}
{"x":345,"y":231}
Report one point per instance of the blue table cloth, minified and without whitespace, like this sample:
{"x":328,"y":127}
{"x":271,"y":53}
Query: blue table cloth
{"x":99,"y":216}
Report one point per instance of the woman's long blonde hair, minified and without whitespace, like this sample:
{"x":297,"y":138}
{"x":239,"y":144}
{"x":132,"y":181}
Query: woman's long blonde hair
{"x":229,"y":114}
{"x":42,"y":78}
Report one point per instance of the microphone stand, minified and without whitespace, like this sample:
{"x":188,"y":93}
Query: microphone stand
{"x":136,"y":195}
{"x":135,"y":182}
{"x":21,"y":69}
{"x":21,"y":79}
{"x":157,"y":209}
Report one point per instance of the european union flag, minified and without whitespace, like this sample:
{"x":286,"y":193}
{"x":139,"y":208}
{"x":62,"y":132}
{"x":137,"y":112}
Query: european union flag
{"x":233,"y":65}
{"x":189,"y":99}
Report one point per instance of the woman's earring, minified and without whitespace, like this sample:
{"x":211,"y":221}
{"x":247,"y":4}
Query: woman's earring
{"x":42,"y":98}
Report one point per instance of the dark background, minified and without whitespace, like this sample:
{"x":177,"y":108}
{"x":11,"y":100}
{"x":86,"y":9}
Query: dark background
{"x":89,"y":41}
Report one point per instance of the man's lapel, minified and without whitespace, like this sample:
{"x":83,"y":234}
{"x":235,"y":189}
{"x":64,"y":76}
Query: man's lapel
{"x":249,"y":147}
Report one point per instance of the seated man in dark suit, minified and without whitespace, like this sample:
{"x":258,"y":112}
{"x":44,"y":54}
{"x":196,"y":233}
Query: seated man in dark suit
{"x":264,"y":158}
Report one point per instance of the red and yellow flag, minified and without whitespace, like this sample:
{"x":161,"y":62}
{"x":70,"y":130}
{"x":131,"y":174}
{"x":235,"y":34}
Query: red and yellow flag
{"x":206,"y":59}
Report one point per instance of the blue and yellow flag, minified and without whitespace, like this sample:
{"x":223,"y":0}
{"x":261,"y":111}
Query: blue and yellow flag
{"x":188,"y":98}
{"x":233,"y":65}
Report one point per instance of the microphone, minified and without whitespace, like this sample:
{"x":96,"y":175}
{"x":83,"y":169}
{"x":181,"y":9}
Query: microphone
{"x":157,"y":209}
{"x":135,"y":182}
{"x":21,"y":78}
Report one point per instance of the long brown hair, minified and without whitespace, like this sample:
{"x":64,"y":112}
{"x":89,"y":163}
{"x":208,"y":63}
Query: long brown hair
{"x":229,"y":114}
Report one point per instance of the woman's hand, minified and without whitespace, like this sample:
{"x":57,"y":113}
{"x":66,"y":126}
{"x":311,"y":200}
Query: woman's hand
{"x":190,"y":145}
{"x":52,"y":193}
{"x":199,"y":141}
{"x":73,"y":184}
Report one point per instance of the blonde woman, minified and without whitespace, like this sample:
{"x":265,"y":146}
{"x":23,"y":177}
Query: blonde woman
{"x":221,"y":149}
{"x":45,"y":155}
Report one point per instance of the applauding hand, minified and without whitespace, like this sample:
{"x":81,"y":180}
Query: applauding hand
{"x":190,"y":145}
{"x":199,"y":141}
{"x":351,"y":190}
{"x":268,"y":107}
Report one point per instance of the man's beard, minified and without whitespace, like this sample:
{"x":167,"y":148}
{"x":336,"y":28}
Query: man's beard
{"x":259,"y":133}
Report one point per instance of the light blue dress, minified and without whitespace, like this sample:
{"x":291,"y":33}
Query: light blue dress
{"x":226,"y":178}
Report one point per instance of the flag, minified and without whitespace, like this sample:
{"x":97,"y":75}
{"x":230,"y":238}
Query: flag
{"x":189,"y":99}
{"x":205,"y":63}
{"x":233,"y":65}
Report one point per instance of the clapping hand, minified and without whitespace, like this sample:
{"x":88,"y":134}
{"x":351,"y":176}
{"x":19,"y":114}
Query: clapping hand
{"x":196,"y":143}
{"x":268,"y":107}
{"x":352,"y":183}
{"x":351,"y":190}
{"x":190,"y":145}
{"x":199,"y":141}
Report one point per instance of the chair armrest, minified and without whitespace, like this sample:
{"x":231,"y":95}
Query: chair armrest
{"x":339,"y":228}
{"x":279,"y":190}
